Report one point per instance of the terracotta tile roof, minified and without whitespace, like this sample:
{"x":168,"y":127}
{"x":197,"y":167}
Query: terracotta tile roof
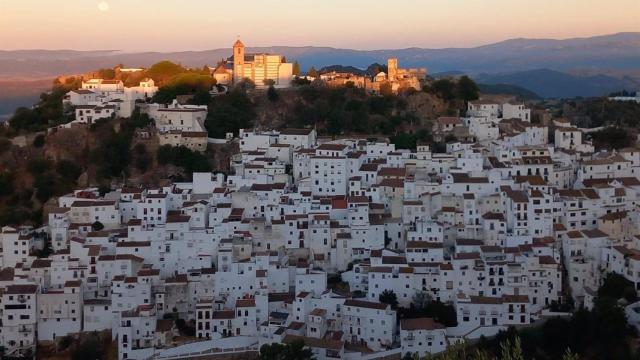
{"x":420,"y":324}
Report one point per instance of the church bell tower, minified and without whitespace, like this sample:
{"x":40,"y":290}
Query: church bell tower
{"x":238,"y":61}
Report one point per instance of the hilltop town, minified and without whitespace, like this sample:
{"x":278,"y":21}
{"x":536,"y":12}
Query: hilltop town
{"x":472,"y":218}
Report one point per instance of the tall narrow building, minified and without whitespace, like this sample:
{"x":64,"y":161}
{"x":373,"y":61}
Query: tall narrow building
{"x":238,"y":61}
{"x":392,"y":69}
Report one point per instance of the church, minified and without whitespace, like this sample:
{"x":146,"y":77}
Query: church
{"x":261,"y":68}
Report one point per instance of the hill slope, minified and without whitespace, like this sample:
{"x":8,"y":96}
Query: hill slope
{"x":555,"y":84}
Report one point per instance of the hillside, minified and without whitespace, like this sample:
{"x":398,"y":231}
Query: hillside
{"x":40,"y":160}
{"x":507,"y":89}
{"x":554,"y":84}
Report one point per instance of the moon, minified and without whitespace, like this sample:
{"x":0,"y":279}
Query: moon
{"x":103,"y":6}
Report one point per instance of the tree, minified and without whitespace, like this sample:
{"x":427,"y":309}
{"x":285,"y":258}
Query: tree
{"x":444,"y":89}
{"x":201,"y":97}
{"x":420,"y":300}
{"x":272,"y":94}
{"x":97,"y":226}
{"x":107,"y":74}
{"x":6,"y":183}
{"x":26,"y":119}
{"x":182,"y":156}
{"x":185,"y":84}
{"x":511,"y":351}
{"x":296,"y":68}
{"x":612,"y":137}
{"x":616,"y":286}
{"x":68,"y":170}
{"x":233,"y":111}
{"x":313,"y":72}
{"x":295,"y":350}
{"x":65,"y":342}
{"x":389,"y":297}
{"x":39,"y":140}
{"x":164,"y":70}
{"x":88,"y":349}
{"x":569,"y":355}
{"x":466,"y":89}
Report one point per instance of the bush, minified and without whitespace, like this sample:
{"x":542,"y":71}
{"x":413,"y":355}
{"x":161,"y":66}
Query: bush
{"x":68,"y":170}
{"x":616,"y":286}
{"x":38,"y":141}
{"x":272,"y":94}
{"x":45,"y":185}
{"x":6,"y":183}
{"x":233,"y":111}
{"x":64,"y":343}
{"x":97,"y":226}
{"x":88,"y":349}
{"x":181,"y":156}
{"x":38,"y":166}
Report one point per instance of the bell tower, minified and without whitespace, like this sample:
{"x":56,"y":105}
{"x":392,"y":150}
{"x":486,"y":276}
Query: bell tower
{"x":238,"y":61}
{"x":392,"y":69}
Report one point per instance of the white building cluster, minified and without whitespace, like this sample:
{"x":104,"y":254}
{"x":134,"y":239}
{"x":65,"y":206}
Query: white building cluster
{"x":99,"y":99}
{"x":485,"y":227}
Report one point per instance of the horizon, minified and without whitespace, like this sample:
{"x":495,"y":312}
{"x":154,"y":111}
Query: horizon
{"x":200,"y":25}
{"x":327,"y":46}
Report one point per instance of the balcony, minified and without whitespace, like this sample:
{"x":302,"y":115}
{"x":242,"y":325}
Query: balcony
{"x":25,"y":329}
{"x":409,"y":338}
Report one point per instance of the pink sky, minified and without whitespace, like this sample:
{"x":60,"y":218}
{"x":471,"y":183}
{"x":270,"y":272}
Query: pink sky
{"x":166,"y":25}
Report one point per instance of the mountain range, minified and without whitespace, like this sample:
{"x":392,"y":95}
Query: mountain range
{"x":551,"y":68}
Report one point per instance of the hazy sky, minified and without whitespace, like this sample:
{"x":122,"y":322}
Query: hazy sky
{"x":134,"y":25}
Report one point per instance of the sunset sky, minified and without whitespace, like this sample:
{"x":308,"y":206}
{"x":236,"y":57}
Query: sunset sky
{"x":166,"y":25}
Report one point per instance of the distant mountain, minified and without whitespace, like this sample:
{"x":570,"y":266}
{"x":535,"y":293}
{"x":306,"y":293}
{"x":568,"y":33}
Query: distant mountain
{"x":371,"y":70}
{"x":572,"y":67}
{"x":554,"y":84}
{"x":447,"y":74}
{"x":341,"y":69}
{"x":507,"y":89}
{"x":617,"y":51}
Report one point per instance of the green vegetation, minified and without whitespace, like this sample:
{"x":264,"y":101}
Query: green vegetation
{"x":89,"y":348}
{"x":410,"y":141}
{"x":97,"y":226}
{"x":107,"y":74}
{"x":456,"y":93}
{"x":423,"y":306}
{"x":38,"y":141}
{"x":293,"y":351}
{"x":272,"y":94}
{"x":68,"y":170}
{"x":164,"y":70}
{"x":602,"y":333}
{"x":617,"y":287}
{"x":596,"y":112}
{"x":296,"y":68}
{"x":112,"y":155}
{"x":46,"y":113}
{"x":390,"y":298}
{"x":185,"y":84}
{"x":612,"y":138}
{"x":233,"y":111}
{"x":341,"y":110}
{"x":183,"y":157}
